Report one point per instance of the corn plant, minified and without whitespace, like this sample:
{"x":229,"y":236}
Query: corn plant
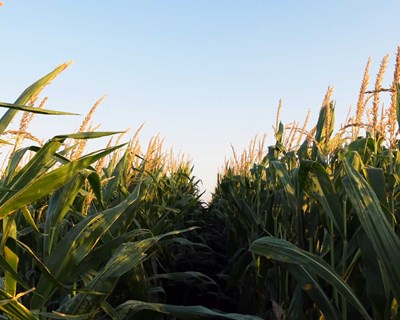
{"x":89,"y":238}
{"x":305,"y":218}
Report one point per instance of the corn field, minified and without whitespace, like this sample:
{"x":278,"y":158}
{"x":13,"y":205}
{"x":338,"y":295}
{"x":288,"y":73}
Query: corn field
{"x":306,"y":228}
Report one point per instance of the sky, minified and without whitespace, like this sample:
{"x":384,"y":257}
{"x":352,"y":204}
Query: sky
{"x":204,"y":74}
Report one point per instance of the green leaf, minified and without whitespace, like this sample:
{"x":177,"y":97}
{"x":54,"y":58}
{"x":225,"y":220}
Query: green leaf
{"x":110,"y":311}
{"x":311,"y":286}
{"x":13,"y":308}
{"x":359,"y":145}
{"x":10,"y":253}
{"x":319,"y":132}
{"x":103,"y":252}
{"x":292,"y":200}
{"x":85,"y":135}
{"x":183,"y":276}
{"x":118,"y":177}
{"x":94,"y":180}
{"x":284,"y":177}
{"x":377,"y":227}
{"x":59,"y":205}
{"x":45,"y":271}
{"x":38,"y":165}
{"x":374,"y":285}
{"x":42,"y":161}
{"x":63,"y":316}
{"x":279,"y":132}
{"x":31,"y":91}
{"x":77,"y":244}
{"x":126,"y":258}
{"x":49,"y":182}
{"x":34,"y":110}
{"x":180,"y":312}
{"x":284,"y":251}
{"x":376,"y":179}
{"x":28,"y":217}
{"x":326,"y":194}
{"x":6,"y":267}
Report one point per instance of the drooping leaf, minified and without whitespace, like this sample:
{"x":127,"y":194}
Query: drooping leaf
{"x":310,"y":285}
{"x":284,"y":251}
{"x":180,"y":312}
{"x":376,"y":225}
{"x":77,"y":244}
{"x":126,"y":257}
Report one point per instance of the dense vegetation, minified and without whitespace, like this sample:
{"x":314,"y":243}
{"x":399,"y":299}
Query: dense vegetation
{"x":307,"y":229}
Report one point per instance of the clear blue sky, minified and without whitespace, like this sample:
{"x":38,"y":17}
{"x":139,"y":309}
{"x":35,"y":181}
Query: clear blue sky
{"x":203,"y":73}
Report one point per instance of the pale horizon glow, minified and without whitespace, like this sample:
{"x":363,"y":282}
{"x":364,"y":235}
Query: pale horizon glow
{"x":204,"y":75}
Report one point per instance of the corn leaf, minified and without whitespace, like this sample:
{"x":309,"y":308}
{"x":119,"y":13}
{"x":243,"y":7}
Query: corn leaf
{"x":38,"y":165}
{"x":376,"y":180}
{"x":31,"y":91}
{"x":374,"y":283}
{"x":311,"y":286}
{"x":118,"y":177}
{"x":77,"y":244}
{"x":49,"y":182}
{"x":284,"y":251}
{"x":28,"y":218}
{"x":183,"y":276}
{"x":12,"y":307}
{"x":34,"y":110}
{"x":376,"y":225}
{"x":292,"y":200}
{"x":180,"y":312}
{"x":102,"y":252}
{"x":326,"y":194}
{"x":10,"y":253}
{"x":63,"y":316}
{"x":126,"y":258}
{"x":59,"y":205}
{"x":6,"y":267}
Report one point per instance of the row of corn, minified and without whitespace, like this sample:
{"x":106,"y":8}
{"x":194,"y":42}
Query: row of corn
{"x":306,"y":229}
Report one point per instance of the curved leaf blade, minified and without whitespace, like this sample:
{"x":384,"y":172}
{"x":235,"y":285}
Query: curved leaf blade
{"x":376,"y":225}
{"x":77,"y":244}
{"x":29,"y":92}
{"x":180,"y":312}
{"x":284,"y":251}
{"x":35,"y":110}
{"x":49,"y":182}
